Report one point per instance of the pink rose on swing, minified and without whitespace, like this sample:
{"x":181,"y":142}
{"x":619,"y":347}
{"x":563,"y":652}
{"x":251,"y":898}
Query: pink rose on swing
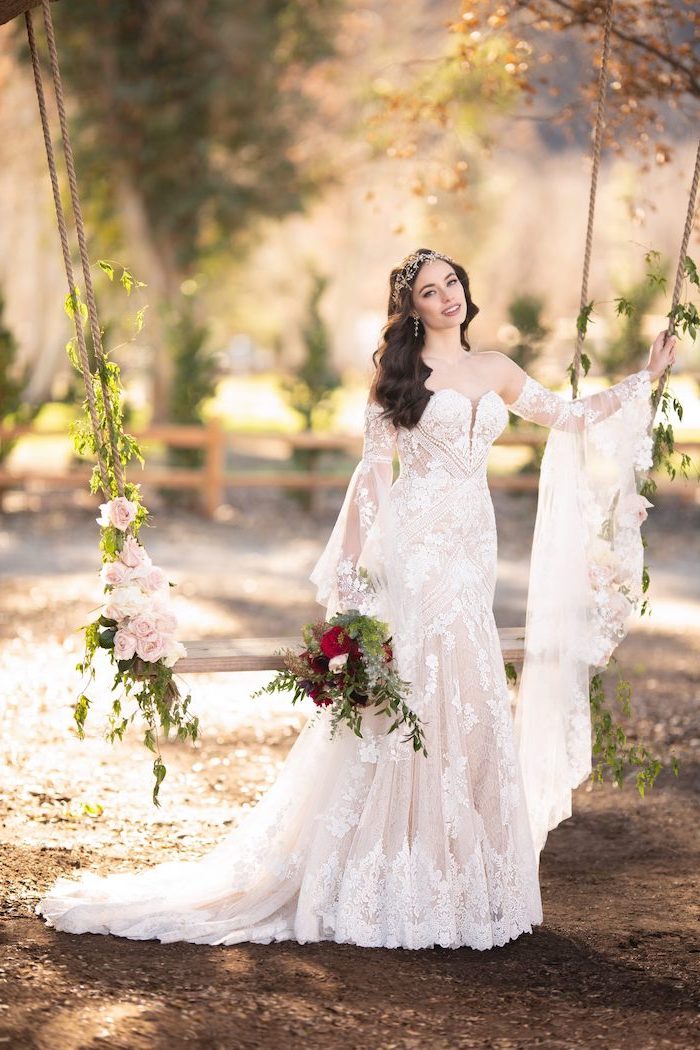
{"x":155,"y":581}
{"x":115,"y":573}
{"x":119,"y":512}
{"x":124,"y":645}
{"x":144,"y":625}
{"x":151,"y":648}
{"x":166,"y":622}
{"x":133,"y":554}
{"x":633,"y":510}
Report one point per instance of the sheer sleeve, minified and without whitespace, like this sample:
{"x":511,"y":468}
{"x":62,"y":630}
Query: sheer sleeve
{"x":341,"y":584}
{"x":537,"y":404}
{"x":585,"y":580}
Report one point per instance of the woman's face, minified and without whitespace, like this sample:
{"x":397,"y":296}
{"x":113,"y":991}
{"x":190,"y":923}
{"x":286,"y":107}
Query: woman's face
{"x":438,"y":296}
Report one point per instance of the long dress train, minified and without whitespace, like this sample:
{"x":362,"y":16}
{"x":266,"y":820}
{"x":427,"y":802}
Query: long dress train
{"x":363,"y":840}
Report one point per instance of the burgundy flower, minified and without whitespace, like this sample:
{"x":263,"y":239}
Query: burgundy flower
{"x":320,"y":698}
{"x":316,"y":662}
{"x":336,"y":641}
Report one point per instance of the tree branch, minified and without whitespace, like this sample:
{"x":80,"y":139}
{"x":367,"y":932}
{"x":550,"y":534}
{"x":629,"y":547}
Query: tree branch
{"x":637,"y":41}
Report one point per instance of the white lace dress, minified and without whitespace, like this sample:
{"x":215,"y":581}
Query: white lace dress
{"x":363,"y":840}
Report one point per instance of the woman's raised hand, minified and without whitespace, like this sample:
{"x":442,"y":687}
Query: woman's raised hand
{"x":662,"y":354}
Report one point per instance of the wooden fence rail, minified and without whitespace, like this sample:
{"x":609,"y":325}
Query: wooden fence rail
{"x":213,"y":479}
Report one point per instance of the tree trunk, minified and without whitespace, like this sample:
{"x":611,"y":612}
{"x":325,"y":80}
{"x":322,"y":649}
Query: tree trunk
{"x":156,"y":266}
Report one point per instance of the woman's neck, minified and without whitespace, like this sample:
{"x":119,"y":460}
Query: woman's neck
{"x":444,"y":347}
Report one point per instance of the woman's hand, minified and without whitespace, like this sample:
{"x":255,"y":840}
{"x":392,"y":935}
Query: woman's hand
{"x":662,"y":354}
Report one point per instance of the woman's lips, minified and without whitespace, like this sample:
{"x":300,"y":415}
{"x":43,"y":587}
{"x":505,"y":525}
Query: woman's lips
{"x":451,"y":310}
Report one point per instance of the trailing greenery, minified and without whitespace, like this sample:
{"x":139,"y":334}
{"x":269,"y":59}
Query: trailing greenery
{"x":147,"y":687}
{"x":616,"y":754}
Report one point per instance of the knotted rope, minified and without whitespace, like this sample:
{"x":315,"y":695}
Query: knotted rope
{"x":597,"y":144}
{"x":680,"y":271}
{"x":112,"y":438}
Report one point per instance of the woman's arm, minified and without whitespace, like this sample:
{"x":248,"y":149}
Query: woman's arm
{"x":528,"y":398}
{"x":340,"y":586}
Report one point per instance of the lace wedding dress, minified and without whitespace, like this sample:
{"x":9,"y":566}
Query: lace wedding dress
{"x":364,"y":840}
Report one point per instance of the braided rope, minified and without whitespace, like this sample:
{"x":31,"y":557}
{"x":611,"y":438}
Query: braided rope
{"x":680,"y":270}
{"x":63,"y":233}
{"x":597,"y":143}
{"x":82,"y":244}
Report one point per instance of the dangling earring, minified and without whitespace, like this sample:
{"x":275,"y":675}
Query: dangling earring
{"x":415,"y":327}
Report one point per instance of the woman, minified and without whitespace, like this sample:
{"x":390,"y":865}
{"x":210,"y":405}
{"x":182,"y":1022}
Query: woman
{"x":363,"y":840}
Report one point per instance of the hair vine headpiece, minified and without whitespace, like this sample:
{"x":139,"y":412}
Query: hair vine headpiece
{"x":410,"y":266}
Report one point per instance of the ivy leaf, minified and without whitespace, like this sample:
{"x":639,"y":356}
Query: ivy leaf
{"x":159,"y":772}
{"x":107,"y":268}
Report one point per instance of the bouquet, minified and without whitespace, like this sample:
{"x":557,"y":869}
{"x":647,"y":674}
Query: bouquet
{"x":347,"y":666}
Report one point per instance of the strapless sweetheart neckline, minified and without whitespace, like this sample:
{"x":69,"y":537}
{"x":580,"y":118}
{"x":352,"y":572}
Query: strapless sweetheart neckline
{"x":473,"y":401}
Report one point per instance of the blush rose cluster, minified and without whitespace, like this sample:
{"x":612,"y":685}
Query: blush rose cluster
{"x":136,"y":621}
{"x":346,"y":667}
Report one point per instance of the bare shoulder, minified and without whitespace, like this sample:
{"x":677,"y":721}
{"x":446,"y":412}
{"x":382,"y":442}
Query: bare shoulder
{"x":504,"y":375}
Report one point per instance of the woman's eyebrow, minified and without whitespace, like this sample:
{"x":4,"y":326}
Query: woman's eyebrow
{"x":450,"y":274}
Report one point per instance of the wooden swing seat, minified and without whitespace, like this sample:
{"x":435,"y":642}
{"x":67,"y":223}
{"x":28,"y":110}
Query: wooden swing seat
{"x":258,"y":654}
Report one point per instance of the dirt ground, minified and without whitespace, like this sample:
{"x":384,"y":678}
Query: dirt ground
{"x":615,"y":964}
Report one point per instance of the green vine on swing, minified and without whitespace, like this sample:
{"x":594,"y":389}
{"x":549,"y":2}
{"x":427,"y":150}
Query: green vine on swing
{"x":616,"y":754}
{"x":146,"y":686}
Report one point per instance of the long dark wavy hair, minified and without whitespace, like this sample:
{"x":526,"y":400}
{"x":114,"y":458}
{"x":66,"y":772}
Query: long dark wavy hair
{"x":399,"y":379}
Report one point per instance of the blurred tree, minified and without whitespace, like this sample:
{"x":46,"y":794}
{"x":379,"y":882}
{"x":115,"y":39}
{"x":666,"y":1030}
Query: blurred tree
{"x":309,"y":389}
{"x":628,"y":344}
{"x":14,"y":410}
{"x":194,"y":378}
{"x":525,"y":314}
{"x":186,"y":123}
{"x":505,"y":58}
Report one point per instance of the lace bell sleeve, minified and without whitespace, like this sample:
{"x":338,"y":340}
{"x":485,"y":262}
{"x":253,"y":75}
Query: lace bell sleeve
{"x":341,"y":581}
{"x":585,"y":580}
{"x":537,"y":404}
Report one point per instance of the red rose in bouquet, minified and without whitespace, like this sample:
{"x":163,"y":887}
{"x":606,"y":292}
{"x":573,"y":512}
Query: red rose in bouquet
{"x":347,"y":665}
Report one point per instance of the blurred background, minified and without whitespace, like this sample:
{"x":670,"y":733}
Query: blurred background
{"x":262,"y":170}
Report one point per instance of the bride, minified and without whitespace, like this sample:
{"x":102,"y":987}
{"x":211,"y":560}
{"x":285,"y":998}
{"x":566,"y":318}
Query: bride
{"x":364,"y":840}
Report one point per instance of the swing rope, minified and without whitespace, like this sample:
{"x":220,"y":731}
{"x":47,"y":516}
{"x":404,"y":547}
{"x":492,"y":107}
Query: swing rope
{"x":113,"y":443}
{"x":80,"y":335}
{"x":689,"y":219}
{"x":680,"y":271}
{"x":597,"y":144}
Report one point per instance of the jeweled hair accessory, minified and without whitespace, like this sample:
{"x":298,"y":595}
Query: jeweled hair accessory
{"x":411,"y":265}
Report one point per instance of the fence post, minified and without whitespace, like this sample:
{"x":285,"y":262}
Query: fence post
{"x":214,"y":467}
